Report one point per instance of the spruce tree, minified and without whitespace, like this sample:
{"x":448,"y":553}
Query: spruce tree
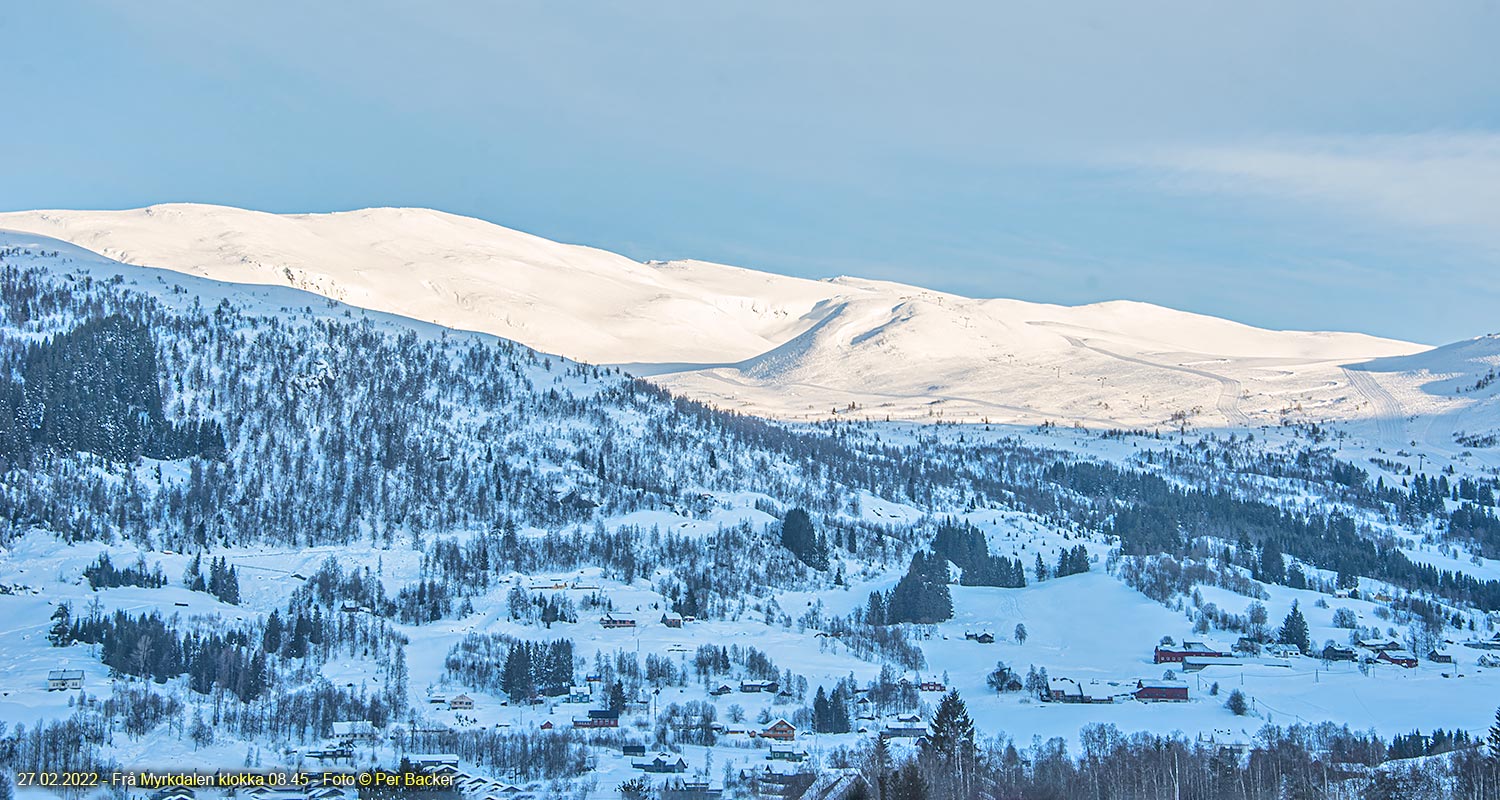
{"x":878,"y":766}
{"x":61,"y":634}
{"x":922,"y":595}
{"x":906,"y":784}
{"x":1294,"y":630}
{"x":1494,"y":739}
{"x":1271,"y":568}
{"x":798,"y":536}
{"x":271,"y":637}
{"x":949,"y":745}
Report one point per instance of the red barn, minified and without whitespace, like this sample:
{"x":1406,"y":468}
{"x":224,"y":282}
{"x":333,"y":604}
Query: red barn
{"x":1400,"y":658}
{"x":1170,"y":654}
{"x":1161,"y":691}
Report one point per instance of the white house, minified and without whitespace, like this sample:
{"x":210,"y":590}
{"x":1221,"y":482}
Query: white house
{"x":64,"y":680}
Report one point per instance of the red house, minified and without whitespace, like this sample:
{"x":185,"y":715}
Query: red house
{"x":1161,"y":691}
{"x":616,"y":622}
{"x":598,"y":718}
{"x":932,"y":686}
{"x":1170,"y":654}
{"x":781,"y":731}
{"x":1400,"y":658}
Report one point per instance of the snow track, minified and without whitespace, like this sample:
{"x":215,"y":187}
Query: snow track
{"x":1388,"y":413}
{"x":1228,"y":403}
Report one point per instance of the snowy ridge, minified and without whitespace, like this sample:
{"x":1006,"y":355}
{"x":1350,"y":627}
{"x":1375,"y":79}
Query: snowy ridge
{"x":765,"y":343}
{"x":612,"y":493}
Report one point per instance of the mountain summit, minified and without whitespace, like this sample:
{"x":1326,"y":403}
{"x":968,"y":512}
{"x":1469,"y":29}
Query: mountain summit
{"x":760,"y":342}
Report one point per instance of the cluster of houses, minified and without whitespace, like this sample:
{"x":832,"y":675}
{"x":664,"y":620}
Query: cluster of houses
{"x":750,"y":687}
{"x":458,"y":702}
{"x":1492,"y":643}
{"x":661,"y":763}
{"x":1380,"y":651}
{"x":1194,"y":656}
{"x":1067,"y":690}
{"x":560,"y":584}
{"x":904,"y":726}
{"x":1387,"y":651}
{"x":668,"y":620}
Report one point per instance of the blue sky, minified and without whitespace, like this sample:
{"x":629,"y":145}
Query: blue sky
{"x":1288,"y":164}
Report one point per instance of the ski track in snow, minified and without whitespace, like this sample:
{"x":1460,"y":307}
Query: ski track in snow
{"x":1228,"y":403}
{"x":1388,"y":413}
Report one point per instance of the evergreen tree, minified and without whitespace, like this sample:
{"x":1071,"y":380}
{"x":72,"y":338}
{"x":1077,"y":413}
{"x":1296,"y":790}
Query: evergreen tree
{"x":798,"y":536}
{"x":231,"y":588}
{"x":921,"y":595}
{"x":949,"y":746}
{"x":1294,"y":630}
{"x":1494,"y":739}
{"x":516,"y":677}
{"x":192,"y":577}
{"x":906,"y":784}
{"x":875,"y":609}
{"x":820,"y":713}
{"x":1271,"y":568}
{"x":271,"y":636}
{"x":878,"y":766}
{"x":61,"y":633}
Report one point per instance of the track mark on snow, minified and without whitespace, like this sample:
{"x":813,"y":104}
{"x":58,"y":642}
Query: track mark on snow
{"x":1230,"y":389}
{"x":1388,"y":413}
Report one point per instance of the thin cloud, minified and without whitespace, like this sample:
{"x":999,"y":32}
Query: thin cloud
{"x":1443,"y":184}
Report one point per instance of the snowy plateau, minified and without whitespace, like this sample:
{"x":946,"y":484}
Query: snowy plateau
{"x":347,"y":491}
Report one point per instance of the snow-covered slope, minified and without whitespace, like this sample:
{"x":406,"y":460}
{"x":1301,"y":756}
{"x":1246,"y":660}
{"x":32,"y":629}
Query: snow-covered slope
{"x":1445,"y":400}
{"x":756,"y":341}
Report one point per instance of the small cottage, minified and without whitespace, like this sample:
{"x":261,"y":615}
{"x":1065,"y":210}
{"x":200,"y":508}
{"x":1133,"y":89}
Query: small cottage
{"x":61,"y":680}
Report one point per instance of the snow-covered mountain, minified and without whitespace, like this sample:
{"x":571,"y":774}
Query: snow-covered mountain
{"x":243,"y":519}
{"x":767,"y":343}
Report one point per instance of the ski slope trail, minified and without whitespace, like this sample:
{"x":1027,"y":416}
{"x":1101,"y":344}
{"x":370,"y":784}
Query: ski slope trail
{"x":1228,"y":402}
{"x":1387,"y":412}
